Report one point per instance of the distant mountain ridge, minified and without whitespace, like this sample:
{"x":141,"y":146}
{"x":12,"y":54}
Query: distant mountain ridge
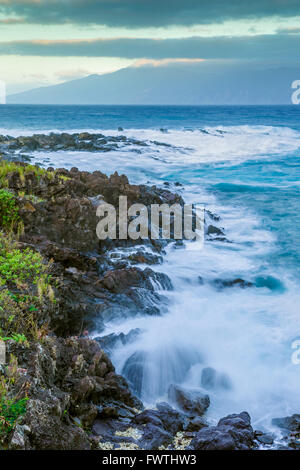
{"x":204,"y":83}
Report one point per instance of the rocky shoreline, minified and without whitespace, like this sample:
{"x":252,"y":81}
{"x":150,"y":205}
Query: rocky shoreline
{"x":74,"y":397}
{"x":19,"y":148}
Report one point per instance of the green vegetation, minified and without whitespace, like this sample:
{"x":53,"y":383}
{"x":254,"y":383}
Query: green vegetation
{"x":17,"y":337}
{"x":7,"y":167}
{"x":25,"y":286}
{"x":64,"y":178}
{"x":11,"y":405}
{"x":18,"y":318}
{"x":9,"y":211}
{"x":10,"y":410}
{"x":26,"y":294}
{"x":30,"y":197}
{"x":24,"y":290}
{"x":18,"y":266}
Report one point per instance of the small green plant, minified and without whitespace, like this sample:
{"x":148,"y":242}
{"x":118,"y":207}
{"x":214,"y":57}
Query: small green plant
{"x":17,"y":337}
{"x":25,"y":290}
{"x":7,"y":167}
{"x":18,"y":317}
{"x":64,"y":178}
{"x":9,"y":211}
{"x":20,"y":338}
{"x":10,"y":411}
{"x":11,"y":405}
{"x":20,"y":265}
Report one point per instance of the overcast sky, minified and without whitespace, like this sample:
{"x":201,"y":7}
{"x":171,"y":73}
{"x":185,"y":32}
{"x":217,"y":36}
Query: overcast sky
{"x":44,"y":42}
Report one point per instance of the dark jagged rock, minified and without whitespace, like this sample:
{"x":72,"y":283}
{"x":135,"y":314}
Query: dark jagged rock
{"x":212,"y":230}
{"x":290,"y":423}
{"x":59,"y":215}
{"x":148,"y":417}
{"x":120,"y":280}
{"x":195,"y":424}
{"x":212,"y":216}
{"x":218,"y":239}
{"x":172,"y":420}
{"x":159,"y":426}
{"x":141,"y":257}
{"x":166,"y":416}
{"x":264,"y":438}
{"x":84,"y":141}
{"x":67,"y":381}
{"x":155,"y":437}
{"x":110,"y":342}
{"x":238,"y":282}
{"x":133,"y":370}
{"x":191,"y":402}
{"x":234,"y":432}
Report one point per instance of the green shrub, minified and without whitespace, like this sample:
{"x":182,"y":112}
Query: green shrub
{"x":7,"y":167}
{"x":9,"y":211}
{"x":11,"y":405}
{"x":17,"y":337}
{"x":18,"y":266}
{"x":18,"y":317}
{"x":10,"y":411}
{"x":25,"y":291}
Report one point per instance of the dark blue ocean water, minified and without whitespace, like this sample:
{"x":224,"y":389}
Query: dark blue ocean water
{"x":110,"y":117}
{"x":242,"y":162}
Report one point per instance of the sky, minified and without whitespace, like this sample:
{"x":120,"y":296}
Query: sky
{"x":46,"y":42}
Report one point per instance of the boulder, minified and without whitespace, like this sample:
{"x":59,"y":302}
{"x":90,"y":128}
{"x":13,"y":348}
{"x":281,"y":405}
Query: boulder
{"x":173,"y":421}
{"x":155,"y":437}
{"x":159,"y":426}
{"x":195,"y":424}
{"x":234,"y":432}
{"x":191,"y":402}
{"x":212,"y":230}
{"x":264,"y":438}
{"x":70,"y":383}
{"x":133,"y":370}
{"x":290,"y":423}
{"x":238,"y":282}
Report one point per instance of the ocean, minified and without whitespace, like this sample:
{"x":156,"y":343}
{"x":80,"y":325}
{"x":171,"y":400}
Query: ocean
{"x":242,"y":163}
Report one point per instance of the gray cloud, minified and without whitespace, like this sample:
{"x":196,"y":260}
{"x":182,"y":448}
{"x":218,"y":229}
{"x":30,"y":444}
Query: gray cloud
{"x":141,"y":13}
{"x":291,"y":30}
{"x":265,"y":47}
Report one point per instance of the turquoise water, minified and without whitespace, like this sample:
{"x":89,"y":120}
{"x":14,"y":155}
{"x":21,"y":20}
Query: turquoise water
{"x":244,"y":164}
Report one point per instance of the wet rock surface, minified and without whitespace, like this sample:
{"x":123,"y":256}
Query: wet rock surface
{"x":83,"y":141}
{"x":234,"y":432}
{"x":264,"y":438}
{"x":191,"y":402}
{"x":69,"y":383}
{"x":110,"y":342}
{"x":289,"y":427}
{"x":289,"y":423}
{"x":227,"y":283}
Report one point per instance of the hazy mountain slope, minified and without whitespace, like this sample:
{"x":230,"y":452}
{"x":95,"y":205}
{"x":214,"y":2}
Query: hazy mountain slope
{"x":204,"y":83}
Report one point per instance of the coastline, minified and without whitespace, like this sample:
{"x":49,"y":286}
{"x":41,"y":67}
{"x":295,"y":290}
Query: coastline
{"x":74,"y":385}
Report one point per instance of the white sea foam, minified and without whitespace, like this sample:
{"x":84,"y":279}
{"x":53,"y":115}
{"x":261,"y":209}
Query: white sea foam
{"x":207,"y":145}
